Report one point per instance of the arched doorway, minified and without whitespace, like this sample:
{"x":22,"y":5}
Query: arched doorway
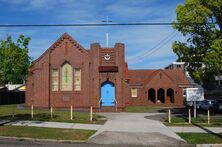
{"x":170,"y":93}
{"x":152,"y":95}
{"x":161,"y":95}
{"x":108,"y":93}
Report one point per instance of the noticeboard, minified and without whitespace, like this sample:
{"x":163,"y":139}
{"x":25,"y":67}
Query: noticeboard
{"x":194,"y":94}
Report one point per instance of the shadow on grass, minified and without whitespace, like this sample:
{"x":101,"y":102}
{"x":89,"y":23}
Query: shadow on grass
{"x":207,"y":130}
{"x":203,"y":128}
{"x":39,"y":117}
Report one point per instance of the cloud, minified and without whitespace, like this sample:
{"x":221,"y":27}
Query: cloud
{"x":139,"y":40}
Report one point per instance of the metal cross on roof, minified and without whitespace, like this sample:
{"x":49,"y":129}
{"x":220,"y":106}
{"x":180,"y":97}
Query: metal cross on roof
{"x":107,"y":34}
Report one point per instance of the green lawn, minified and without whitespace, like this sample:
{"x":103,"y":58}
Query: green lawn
{"x":216,"y":121}
{"x":45,"y":133}
{"x":13,"y":113}
{"x":201,"y":138}
{"x":142,"y":109}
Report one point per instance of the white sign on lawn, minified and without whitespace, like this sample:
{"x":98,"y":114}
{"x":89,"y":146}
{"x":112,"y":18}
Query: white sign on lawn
{"x":194,"y":94}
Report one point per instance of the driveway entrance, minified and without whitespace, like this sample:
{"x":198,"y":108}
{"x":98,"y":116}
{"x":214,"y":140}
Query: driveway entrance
{"x":133,"y":128}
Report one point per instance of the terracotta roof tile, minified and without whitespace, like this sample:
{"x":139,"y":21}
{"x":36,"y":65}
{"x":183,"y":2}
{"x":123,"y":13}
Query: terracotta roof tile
{"x":145,"y":76}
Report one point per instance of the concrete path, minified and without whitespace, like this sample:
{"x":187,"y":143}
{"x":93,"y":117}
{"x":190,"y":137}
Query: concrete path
{"x":134,"y":122}
{"x":2,"y":122}
{"x":196,"y":129}
{"x":137,"y":139}
{"x":57,"y":125}
{"x":134,"y":129}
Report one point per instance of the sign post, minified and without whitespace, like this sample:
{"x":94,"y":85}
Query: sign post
{"x":195,"y":109}
{"x":194,"y":95}
{"x":208,"y":117}
{"x":189,"y":116}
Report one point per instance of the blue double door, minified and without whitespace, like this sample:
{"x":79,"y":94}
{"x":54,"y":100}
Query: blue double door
{"x":108,"y":94}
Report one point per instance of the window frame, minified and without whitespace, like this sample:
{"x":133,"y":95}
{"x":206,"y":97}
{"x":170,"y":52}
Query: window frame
{"x":80,"y":79}
{"x":52,"y":80}
{"x":134,"y":92}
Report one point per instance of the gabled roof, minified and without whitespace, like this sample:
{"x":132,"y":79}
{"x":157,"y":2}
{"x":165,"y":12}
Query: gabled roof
{"x":140,"y":76}
{"x":57,"y":43}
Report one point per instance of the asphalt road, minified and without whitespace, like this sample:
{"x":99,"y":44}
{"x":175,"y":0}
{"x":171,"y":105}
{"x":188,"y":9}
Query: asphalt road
{"x":20,"y":143}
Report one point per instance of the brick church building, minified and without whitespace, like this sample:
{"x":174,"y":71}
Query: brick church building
{"x":68,"y":74}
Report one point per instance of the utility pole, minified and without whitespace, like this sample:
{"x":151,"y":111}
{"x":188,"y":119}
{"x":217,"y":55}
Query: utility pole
{"x":107,"y":34}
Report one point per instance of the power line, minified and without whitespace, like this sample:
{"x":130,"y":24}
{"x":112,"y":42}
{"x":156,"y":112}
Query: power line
{"x":101,"y":24}
{"x":141,"y":54}
{"x":162,"y":45}
{"x":153,"y":50}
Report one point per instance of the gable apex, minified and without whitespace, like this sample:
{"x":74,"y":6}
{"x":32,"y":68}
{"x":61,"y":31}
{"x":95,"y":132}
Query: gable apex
{"x":159,"y":71}
{"x":58,"y":42}
{"x":73,"y":41}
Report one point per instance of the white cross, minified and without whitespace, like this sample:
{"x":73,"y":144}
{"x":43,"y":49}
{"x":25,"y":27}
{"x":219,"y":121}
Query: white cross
{"x":107,"y":34}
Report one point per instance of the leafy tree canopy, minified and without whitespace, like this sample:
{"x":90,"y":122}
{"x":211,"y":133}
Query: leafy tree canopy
{"x":14,"y":60}
{"x":200,"y":21}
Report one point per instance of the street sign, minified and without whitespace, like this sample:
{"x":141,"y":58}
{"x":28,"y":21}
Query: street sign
{"x":194,"y":94}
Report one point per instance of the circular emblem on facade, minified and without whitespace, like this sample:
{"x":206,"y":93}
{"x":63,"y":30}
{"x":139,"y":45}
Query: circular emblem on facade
{"x":107,"y":56}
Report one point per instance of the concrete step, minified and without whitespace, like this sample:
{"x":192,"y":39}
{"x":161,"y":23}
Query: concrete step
{"x":108,"y":109}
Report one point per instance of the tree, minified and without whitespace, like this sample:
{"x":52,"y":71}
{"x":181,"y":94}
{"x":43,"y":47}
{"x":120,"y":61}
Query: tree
{"x":14,"y":60}
{"x":200,"y":21}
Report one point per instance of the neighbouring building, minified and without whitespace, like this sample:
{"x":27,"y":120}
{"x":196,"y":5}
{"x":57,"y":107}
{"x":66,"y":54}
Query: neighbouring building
{"x":68,"y":74}
{"x":12,"y":94}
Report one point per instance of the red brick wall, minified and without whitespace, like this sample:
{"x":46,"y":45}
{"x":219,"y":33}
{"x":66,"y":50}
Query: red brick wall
{"x":160,"y":80}
{"x":67,"y":49}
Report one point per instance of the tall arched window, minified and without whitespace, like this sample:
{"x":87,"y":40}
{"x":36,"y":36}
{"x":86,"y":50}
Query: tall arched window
{"x":66,"y":80}
{"x":161,"y":95}
{"x":170,"y":93}
{"x":152,"y":95}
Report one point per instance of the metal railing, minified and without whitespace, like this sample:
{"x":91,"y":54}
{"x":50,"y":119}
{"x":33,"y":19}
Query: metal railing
{"x":115,"y":101}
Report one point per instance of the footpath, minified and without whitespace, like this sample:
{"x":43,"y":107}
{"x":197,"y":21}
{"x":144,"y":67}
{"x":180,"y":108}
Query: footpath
{"x":56,"y":125}
{"x":127,"y":128}
{"x":196,"y":129}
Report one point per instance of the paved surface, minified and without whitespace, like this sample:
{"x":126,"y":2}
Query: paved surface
{"x":135,"y":129}
{"x":20,"y":143}
{"x":209,"y":145}
{"x":196,"y":129}
{"x":123,"y":129}
{"x":2,"y":122}
{"x":134,"y":122}
{"x":137,"y":138}
{"x":57,"y":125}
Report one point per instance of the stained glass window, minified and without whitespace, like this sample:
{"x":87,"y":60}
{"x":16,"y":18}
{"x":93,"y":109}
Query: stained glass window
{"x":66,"y":80}
{"x":55,"y":80}
{"x":77,"y":79}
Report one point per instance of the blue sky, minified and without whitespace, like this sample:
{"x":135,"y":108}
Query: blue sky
{"x":145,"y":46}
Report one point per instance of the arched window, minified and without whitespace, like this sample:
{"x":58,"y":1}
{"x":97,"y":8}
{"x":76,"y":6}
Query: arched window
{"x":152,"y":95}
{"x":66,"y":77}
{"x":161,"y":95}
{"x":170,"y":94}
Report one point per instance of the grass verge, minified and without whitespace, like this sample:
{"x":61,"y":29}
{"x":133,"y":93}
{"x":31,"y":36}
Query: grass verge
{"x":201,"y":138}
{"x":11,"y":112}
{"x":216,"y":121}
{"x":45,"y":133}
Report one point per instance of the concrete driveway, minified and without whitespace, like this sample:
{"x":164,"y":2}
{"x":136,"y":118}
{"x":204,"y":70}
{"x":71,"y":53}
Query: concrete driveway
{"x":134,"y":122}
{"x":133,"y":128}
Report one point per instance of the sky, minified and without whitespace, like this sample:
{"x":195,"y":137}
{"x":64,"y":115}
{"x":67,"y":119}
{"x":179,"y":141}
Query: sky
{"x":146,"y":47}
